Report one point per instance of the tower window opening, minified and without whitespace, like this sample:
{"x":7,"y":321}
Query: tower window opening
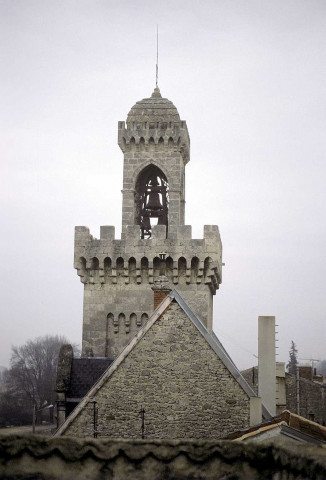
{"x":152,"y":200}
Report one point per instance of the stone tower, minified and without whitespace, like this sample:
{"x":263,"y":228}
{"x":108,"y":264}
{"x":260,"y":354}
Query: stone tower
{"x":119,"y":275}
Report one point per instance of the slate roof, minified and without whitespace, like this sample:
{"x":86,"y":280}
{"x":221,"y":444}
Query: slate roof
{"x":154,"y":109}
{"x":85,"y":372}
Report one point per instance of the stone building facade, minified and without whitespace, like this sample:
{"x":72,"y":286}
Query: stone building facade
{"x":118,"y":274}
{"x":174,"y":380}
{"x":305,"y":394}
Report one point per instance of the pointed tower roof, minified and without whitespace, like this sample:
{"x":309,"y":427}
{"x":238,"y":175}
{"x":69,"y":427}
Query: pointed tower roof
{"x":154,"y":109}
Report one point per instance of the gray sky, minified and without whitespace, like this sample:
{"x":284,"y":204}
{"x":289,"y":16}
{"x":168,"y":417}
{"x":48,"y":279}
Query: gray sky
{"x":248,"y":76}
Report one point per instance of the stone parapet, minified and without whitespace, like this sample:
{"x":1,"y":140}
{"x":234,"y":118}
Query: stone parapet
{"x":102,"y":260}
{"x":142,"y":134}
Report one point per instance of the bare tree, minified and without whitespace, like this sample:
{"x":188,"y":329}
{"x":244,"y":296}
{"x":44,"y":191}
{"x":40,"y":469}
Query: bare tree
{"x":32,"y":374}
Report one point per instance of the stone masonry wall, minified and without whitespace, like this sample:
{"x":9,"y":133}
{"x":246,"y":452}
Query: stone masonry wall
{"x":118,"y":276}
{"x":312,"y":395}
{"x":312,"y":398}
{"x":168,"y":149}
{"x":184,"y":388}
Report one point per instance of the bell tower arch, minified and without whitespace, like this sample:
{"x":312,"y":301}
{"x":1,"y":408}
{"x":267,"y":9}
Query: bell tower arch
{"x":151,"y":200}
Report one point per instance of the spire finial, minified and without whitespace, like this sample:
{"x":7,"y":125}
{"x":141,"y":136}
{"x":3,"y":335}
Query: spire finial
{"x":157,"y":56}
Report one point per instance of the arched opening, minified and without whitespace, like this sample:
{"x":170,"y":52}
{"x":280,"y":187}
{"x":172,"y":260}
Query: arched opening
{"x":107,"y":268}
{"x":144,"y":269}
{"x":109,"y":324}
{"x":194,"y":269}
{"x":182,"y":269}
{"x":156,"y":267}
{"x":120,"y":267}
{"x":169,"y":267}
{"x":207,"y":268}
{"x":127,"y":322}
{"x":121,"y":319}
{"x":152,"y":200}
{"x":133,"y":322}
{"x":82,"y":262}
{"x":144,"y":318}
{"x":132,"y":270}
{"x":95,"y":263}
{"x":94,"y":270}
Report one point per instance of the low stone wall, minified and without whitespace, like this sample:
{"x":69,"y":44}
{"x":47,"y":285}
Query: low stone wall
{"x":41,"y":458}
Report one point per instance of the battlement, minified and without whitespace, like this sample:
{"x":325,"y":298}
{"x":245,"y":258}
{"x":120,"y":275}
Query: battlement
{"x":135,"y":260}
{"x":140,"y":135}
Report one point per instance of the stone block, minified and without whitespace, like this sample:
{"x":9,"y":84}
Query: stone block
{"x":81,"y":231}
{"x":184,"y":232}
{"x":211,"y":232}
{"x":132,"y":234}
{"x":82,"y":236}
{"x":107,"y":232}
{"x":158,"y":232}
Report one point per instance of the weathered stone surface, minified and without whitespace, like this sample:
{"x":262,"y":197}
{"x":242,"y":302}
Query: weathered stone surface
{"x":38,"y":458}
{"x":64,"y":368}
{"x":312,"y":394}
{"x":175,"y":375}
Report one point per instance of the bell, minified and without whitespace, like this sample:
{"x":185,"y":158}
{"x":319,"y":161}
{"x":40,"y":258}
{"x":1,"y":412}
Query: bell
{"x":153,"y":189}
{"x":153,"y":201}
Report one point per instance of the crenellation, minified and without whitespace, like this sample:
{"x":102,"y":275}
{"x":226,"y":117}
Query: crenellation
{"x":184,"y":232}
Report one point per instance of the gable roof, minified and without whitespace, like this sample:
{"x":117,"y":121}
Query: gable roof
{"x":85,"y":371}
{"x":212,"y":340}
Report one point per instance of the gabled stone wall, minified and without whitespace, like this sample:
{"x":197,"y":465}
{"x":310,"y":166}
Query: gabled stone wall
{"x":179,"y":381}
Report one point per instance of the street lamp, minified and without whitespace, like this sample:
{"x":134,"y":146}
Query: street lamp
{"x":39,"y":410}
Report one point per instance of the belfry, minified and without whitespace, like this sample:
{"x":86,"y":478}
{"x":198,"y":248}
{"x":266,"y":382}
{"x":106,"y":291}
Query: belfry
{"x":156,"y":250}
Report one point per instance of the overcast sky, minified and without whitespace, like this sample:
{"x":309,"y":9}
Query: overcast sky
{"x":248,"y":76}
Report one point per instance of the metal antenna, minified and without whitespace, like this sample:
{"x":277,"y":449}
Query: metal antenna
{"x":156,"y":55}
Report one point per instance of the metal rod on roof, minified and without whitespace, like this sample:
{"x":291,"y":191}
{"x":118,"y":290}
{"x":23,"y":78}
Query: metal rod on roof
{"x":95,"y":419}
{"x":142,"y":413}
{"x":156,"y":56}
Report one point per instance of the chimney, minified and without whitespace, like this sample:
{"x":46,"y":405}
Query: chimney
{"x":161,"y":285}
{"x":266,"y":363}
